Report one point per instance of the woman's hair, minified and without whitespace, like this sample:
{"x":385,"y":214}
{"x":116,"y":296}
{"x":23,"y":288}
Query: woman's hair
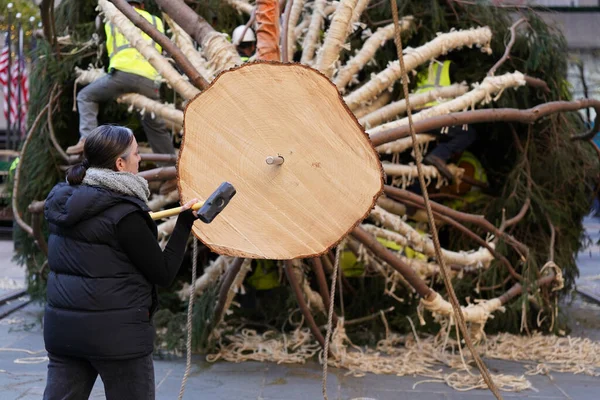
{"x":102,"y":148}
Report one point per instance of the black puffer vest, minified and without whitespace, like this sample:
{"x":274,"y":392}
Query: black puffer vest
{"x":99,"y":305}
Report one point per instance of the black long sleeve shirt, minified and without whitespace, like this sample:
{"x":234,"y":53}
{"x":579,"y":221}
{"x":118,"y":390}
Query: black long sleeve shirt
{"x":139,"y":243}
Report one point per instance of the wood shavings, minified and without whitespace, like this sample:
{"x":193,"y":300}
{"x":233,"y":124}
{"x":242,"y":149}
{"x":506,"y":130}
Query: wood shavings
{"x":271,"y":346}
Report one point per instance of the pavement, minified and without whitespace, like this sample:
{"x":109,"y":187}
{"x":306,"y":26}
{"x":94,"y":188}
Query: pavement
{"x":23,"y":364}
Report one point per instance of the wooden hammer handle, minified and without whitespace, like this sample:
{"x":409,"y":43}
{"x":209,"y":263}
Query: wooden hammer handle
{"x":173,"y":211}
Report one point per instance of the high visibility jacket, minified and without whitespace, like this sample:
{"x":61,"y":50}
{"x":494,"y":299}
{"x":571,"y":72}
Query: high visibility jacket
{"x":469,"y":158}
{"x":479,"y":174}
{"x":244,"y":59}
{"x":435,"y":77}
{"x":124,"y":57}
{"x":265,"y":275}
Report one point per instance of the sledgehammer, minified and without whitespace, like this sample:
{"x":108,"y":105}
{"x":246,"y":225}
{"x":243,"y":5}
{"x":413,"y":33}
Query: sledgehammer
{"x":207,"y":210}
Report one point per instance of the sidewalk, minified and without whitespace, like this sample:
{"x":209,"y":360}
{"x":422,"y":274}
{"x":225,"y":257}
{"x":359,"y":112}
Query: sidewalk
{"x":267,"y":381}
{"x":263,"y":381}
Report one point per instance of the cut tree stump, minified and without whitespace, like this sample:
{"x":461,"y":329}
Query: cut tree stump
{"x":328,"y":181}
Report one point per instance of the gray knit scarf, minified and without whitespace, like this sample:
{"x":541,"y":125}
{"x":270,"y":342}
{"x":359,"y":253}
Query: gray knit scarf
{"x":122,"y":182}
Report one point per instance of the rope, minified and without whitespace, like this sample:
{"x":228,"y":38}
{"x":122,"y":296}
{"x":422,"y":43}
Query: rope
{"x":438,"y":251}
{"x":336,"y":268}
{"x":188,"y":344}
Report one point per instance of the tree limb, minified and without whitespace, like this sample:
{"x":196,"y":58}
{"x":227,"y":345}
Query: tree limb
{"x":457,"y":215}
{"x":513,"y":36}
{"x":302,"y":303}
{"x":386,"y":255}
{"x":527,"y":116}
{"x":146,"y":27}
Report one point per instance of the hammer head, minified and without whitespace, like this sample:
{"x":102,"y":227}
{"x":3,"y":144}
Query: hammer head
{"x":216,"y":202}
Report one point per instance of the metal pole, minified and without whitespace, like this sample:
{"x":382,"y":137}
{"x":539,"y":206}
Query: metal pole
{"x":9,"y":80}
{"x":17,"y":136}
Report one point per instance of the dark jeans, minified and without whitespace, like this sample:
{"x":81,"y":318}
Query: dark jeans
{"x":455,"y":141}
{"x":73,"y":378}
{"x":112,"y":86}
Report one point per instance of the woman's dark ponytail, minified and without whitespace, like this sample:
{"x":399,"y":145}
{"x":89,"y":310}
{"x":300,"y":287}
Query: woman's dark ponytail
{"x":102,"y":148}
{"x":77,"y":172}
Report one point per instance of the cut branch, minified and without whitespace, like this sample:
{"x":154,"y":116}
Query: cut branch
{"x":373,"y":106}
{"x":441,"y":45}
{"x":317,"y":267}
{"x":335,"y":38}
{"x":302,"y":304}
{"x":241,"y":5}
{"x":159,"y":174}
{"x":396,"y":108}
{"x":186,"y":44}
{"x":480,"y":258}
{"x":224,"y":292}
{"x":527,"y":116}
{"x":482,"y":93}
{"x":457,"y":215}
{"x":168,"y":112}
{"x":386,"y":255}
{"x":366,"y":53}
{"x":312,"y":35}
{"x":294,"y":16}
{"x":215,"y":46}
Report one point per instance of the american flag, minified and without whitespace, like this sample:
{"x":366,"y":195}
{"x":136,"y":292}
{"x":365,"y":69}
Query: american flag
{"x":4,"y":74}
{"x":16,"y":85}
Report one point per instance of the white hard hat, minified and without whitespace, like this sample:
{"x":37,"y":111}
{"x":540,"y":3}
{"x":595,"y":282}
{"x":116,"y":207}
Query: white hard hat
{"x":236,"y":36}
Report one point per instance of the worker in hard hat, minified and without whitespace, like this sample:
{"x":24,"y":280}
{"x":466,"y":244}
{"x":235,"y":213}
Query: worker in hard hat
{"x":458,"y":138}
{"x":128,"y":72}
{"x":244,"y":40}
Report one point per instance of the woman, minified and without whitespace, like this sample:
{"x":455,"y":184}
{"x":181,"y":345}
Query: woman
{"x":104,"y":264}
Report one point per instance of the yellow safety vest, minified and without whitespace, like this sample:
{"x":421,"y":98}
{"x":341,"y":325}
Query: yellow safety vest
{"x":124,"y":57}
{"x":469,"y":158}
{"x":244,"y":59}
{"x":265,"y":275}
{"x":475,"y":193}
{"x":434,"y":77}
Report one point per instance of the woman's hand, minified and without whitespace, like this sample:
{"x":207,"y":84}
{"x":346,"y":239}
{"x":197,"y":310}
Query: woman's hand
{"x":189,"y":205}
